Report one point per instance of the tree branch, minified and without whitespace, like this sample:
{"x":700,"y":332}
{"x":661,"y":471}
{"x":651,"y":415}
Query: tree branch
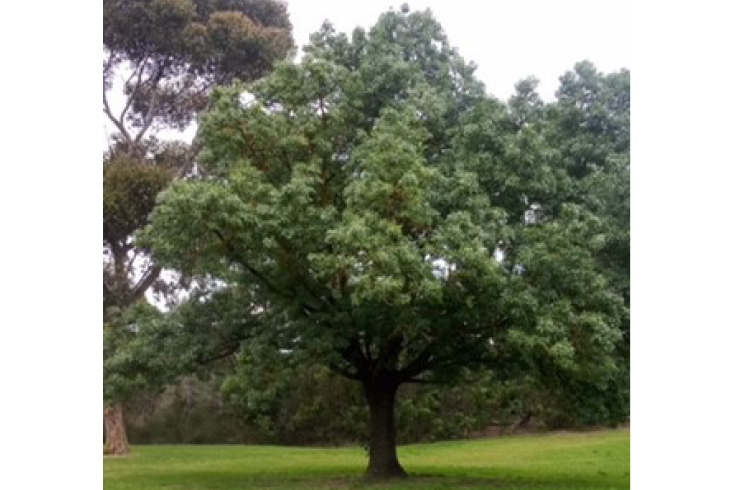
{"x":148,"y":119}
{"x":388,"y":353}
{"x":229,"y":351}
{"x":300,"y":277}
{"x":421,"y":363}
{"x":139,"y":69}
{"x":354,"y":356}
{"x":145,"y":282}
{"x":237,"y":258}
{"x":108,"y":112}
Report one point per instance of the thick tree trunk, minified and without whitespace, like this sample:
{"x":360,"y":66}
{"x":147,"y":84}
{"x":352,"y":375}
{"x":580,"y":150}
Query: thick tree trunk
{"x":116,"y":439}
{"x":383,"y":459}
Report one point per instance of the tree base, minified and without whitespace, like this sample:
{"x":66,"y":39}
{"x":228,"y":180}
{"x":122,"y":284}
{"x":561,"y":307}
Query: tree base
{"x":369,"y":476}
{"x":389,"y":472}
{"x":382,"y":456}
{"x":116,"y":439}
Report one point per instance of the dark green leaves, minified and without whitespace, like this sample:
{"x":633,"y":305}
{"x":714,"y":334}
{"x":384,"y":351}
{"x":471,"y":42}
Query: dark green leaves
{"x":393,"y":218}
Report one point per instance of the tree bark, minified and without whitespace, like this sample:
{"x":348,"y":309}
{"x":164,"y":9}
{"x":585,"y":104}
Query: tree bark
{"x":116,"y":439}
{"x":383,"y":459}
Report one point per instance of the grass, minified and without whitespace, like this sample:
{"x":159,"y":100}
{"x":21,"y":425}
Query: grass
{"x":581,"y":461}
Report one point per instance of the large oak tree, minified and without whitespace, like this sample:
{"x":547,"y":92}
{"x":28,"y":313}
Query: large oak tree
{"x":372,"y":209}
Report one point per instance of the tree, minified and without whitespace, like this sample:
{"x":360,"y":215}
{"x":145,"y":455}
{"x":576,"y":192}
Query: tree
{"x":171,"y":53}
{"x":355,"y":197}
{"x":129,"y":188}
{"x":571,"y":155}
{"x":590,"y":127}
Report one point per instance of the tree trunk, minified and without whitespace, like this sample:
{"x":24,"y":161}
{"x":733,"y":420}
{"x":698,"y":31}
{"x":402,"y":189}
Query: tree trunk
{"x":383,"y":460}
{"x":523,"y":423}
{"x":116,"y":439}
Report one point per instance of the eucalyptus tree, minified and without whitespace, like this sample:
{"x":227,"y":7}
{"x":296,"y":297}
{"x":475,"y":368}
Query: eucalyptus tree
{"x":169,"y":55}
{"x":372,"y":203}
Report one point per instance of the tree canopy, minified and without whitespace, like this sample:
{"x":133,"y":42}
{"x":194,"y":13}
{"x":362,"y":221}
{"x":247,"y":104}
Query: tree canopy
{"x":378,"y":212}
{"x":175,"y":51}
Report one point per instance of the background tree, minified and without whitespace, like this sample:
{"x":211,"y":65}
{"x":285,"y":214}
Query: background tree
{"x":568,"y":159}
{"x":170,"y":54}
{"x":375,"y":204}
{"x":590,"y":126}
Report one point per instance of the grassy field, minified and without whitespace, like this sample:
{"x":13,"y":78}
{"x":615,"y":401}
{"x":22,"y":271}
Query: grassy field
{"x":589,"y":461}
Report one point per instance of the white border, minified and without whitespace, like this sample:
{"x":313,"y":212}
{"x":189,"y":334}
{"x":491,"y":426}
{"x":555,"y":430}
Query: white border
{"x":683,"y":247}
{"x":50,"y":194}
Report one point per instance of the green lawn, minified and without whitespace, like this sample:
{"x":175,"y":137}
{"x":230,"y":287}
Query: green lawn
{"x":594,"y":461}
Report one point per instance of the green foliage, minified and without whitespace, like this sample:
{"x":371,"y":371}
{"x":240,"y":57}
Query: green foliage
{"x":187,"y":412}
{"x":170,"y":54}
{"x":129,"y":193}
{"x":290,"y":403}
{"x":295,"y":406}
{"x":177,"y":49}
{"x":130,"y":363}
{"x":146,"y":349}
{"x":269,"y":400}
{"x":362,"y":197}
{"x":328,"y":206}
{"x":593,"y":461}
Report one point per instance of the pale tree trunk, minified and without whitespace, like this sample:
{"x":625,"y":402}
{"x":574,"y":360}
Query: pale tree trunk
{"x":116,"y":439}
{"x":383,"y":459}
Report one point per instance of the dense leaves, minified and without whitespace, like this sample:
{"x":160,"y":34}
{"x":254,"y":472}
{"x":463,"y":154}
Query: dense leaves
{"x":337,"y":215}
{"x":395,"y":224}
{"x":129,"y":189}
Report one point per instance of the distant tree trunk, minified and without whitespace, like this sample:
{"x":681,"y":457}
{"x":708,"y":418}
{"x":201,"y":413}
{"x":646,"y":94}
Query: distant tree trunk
{"x":523,"y":423}
{"x":383,"y":459}
{"x":116,"y":439}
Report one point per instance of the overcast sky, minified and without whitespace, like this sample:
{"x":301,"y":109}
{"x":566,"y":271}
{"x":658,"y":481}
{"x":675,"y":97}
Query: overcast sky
{"x":508,"y":39}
